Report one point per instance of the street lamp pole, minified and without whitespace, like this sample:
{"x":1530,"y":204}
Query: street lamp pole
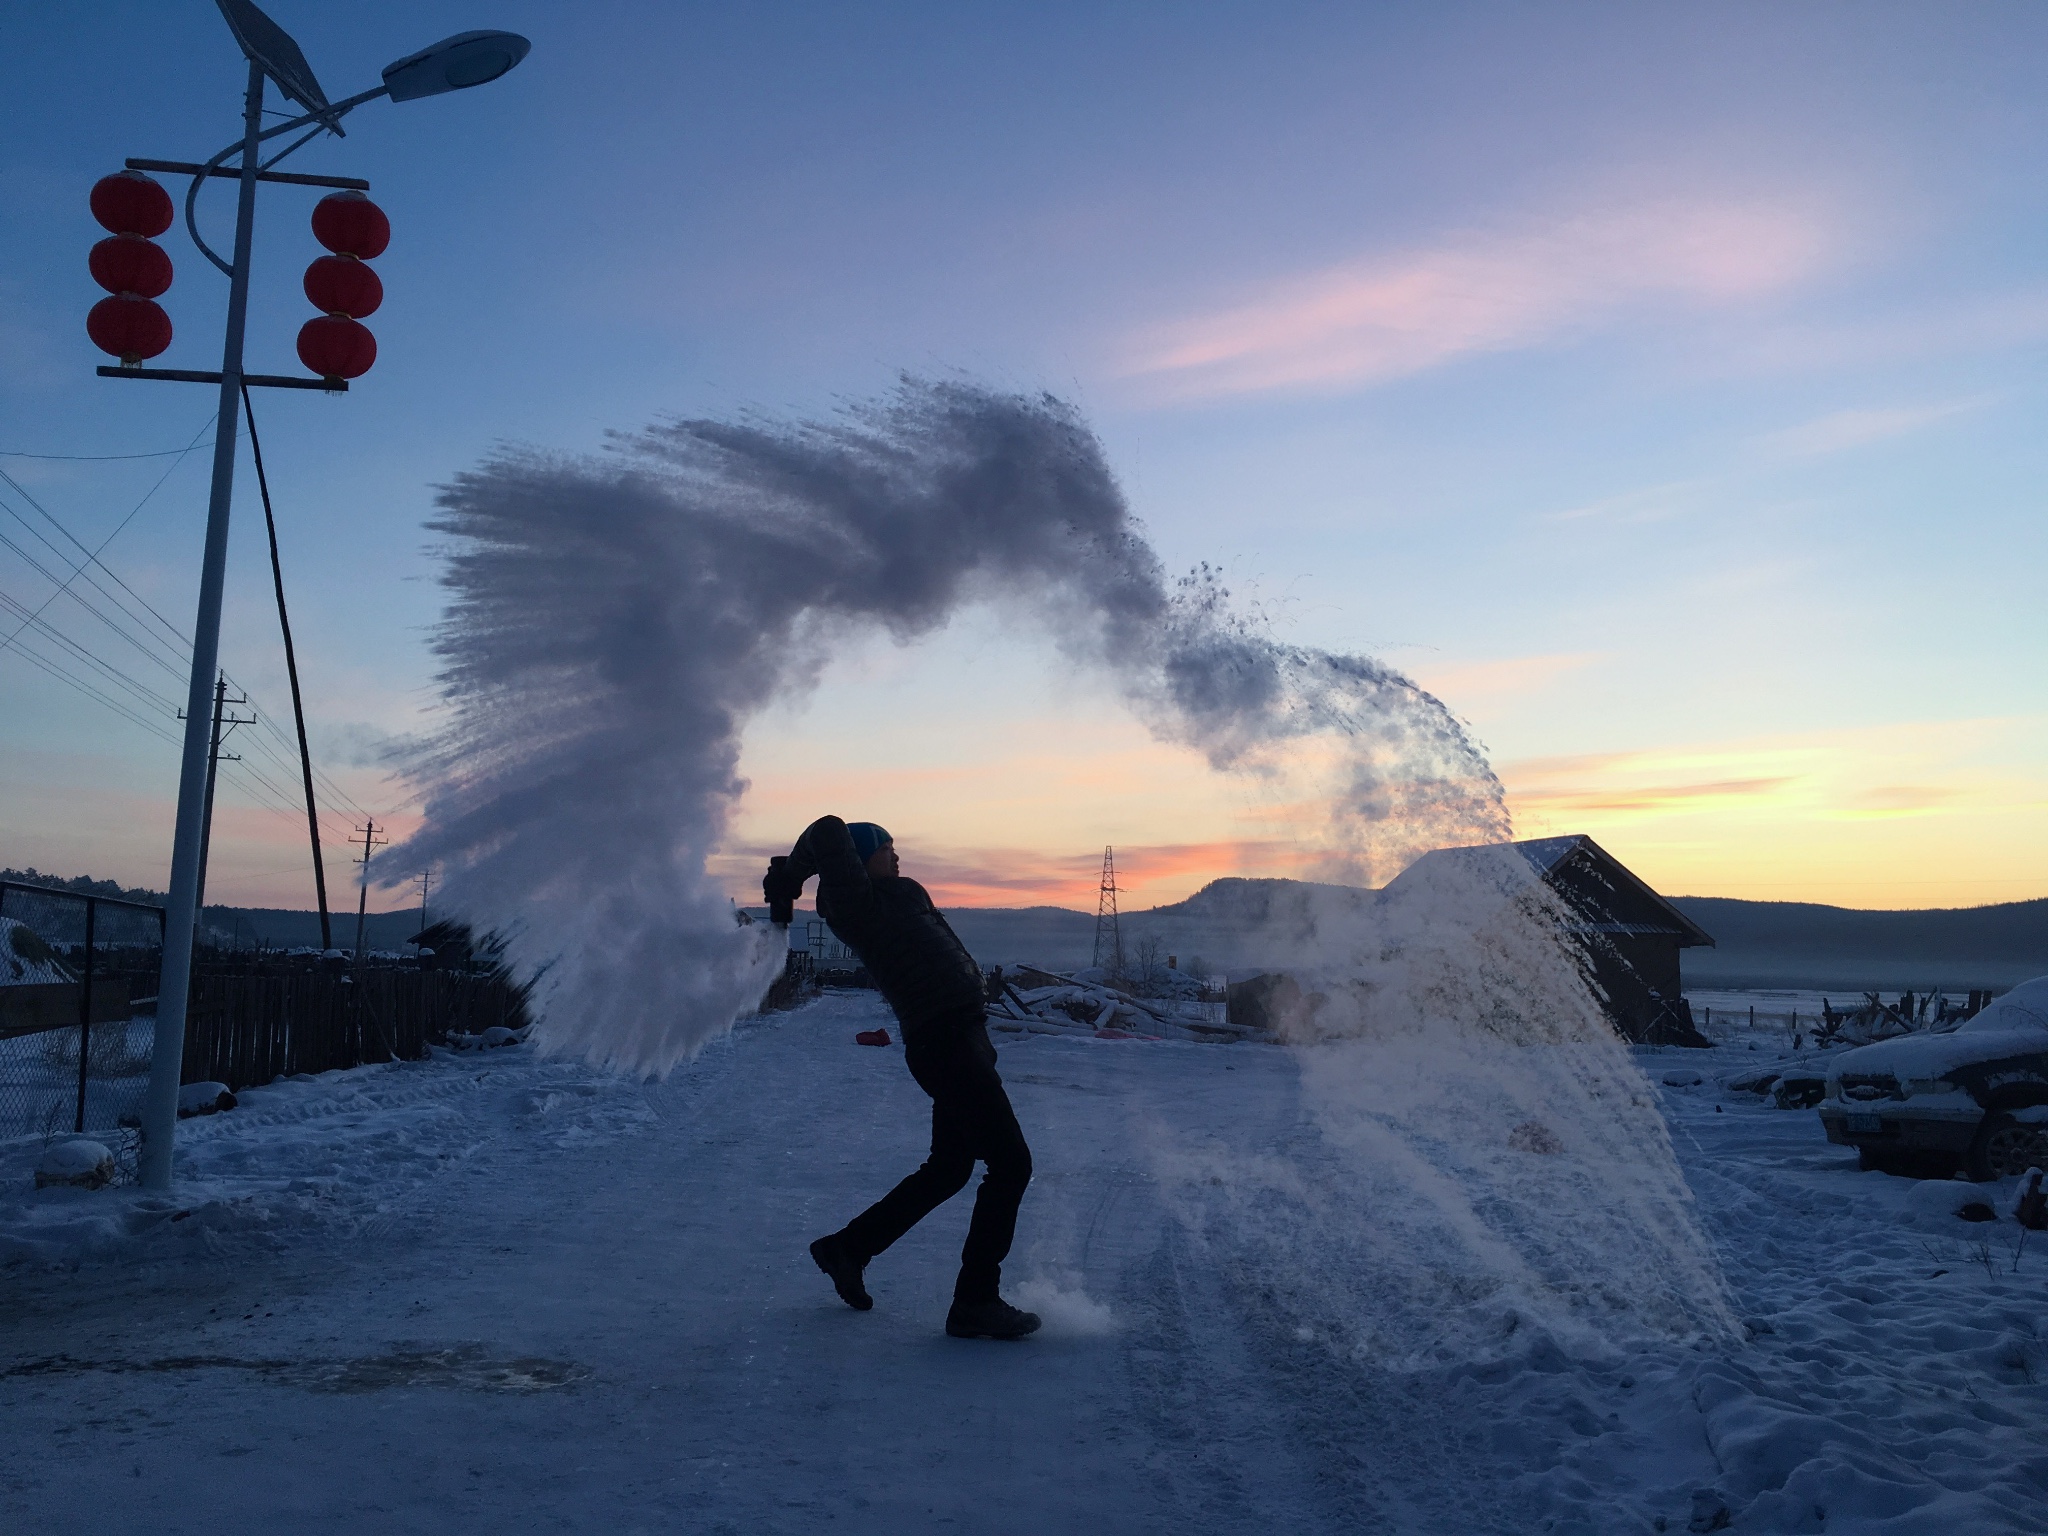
{"x":454,"y":64}
{"x":167,"y":1055}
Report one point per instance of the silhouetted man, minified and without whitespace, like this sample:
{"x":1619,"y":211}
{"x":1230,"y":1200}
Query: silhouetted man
{"x":936,"y":990}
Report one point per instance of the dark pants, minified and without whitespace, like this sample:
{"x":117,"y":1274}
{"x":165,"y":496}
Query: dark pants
{"x":971,"y":1120}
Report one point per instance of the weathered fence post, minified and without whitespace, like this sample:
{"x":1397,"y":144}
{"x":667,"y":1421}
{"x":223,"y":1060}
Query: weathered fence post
{"x":85,"y":1011}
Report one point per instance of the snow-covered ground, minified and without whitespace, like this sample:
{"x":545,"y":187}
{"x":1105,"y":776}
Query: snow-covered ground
{"x":490,"y":1293}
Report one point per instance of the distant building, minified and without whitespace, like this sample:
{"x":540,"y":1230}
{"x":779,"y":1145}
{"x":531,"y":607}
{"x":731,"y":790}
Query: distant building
{"x":1632,"y":934}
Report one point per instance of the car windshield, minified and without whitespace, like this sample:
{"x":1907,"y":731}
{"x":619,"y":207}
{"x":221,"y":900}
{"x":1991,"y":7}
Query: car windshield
{"x":2008,"y":1014}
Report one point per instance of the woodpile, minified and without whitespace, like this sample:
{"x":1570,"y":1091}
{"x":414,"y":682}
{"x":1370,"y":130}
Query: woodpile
{"x":1049,"y":1003}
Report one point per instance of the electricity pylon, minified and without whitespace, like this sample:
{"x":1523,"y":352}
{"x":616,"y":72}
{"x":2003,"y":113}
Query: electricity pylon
{"x":1109,"y":934}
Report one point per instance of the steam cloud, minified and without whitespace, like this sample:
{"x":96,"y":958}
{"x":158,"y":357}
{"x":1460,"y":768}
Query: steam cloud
{"x":1489,"y":1173}
{"x":615,"y":622}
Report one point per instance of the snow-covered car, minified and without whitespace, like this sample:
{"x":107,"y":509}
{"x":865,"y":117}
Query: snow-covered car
{"x":1974,"y":1098}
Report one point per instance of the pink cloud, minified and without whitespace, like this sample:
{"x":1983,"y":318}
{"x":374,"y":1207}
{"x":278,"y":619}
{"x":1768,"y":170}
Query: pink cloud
{"x":1387,"y":316}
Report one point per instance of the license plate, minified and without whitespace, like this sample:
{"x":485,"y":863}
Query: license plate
{"x":1865,"y":1123}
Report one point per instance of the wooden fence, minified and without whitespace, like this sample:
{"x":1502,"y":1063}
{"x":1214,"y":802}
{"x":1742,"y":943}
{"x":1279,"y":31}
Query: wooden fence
{"x":243,"y":1030}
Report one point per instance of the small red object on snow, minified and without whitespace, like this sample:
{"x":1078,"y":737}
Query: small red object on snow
{"x":130,"y":328}
{"x":130,"y":203}
{"x":873,"y":1037}
{"x":336,"y":347}
{"x":342,"y":285}
{"x":349,"y":224}
{"x":131,"y":264}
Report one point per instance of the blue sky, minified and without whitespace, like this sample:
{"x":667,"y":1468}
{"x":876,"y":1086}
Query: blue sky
{"x":1661,"y":385}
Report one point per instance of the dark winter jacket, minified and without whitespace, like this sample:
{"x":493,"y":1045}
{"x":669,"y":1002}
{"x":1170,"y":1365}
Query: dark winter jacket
{"x":917,"y":961}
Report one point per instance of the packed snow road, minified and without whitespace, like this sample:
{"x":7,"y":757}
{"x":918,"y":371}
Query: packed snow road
{"x":493,"y":1293}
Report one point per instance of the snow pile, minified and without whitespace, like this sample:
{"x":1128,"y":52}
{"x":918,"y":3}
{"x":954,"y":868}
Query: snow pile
{"x":204,"y":1099}
{"x":25,"y":960}
{"x":77,"y":1163}
{"x":615,"y":623}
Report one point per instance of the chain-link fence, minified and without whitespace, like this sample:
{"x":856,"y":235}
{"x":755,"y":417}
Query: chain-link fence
{"x":75,"y":971}
{"x":78,"y":1015}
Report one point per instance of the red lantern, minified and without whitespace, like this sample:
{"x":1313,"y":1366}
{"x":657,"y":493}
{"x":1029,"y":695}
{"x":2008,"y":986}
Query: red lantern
{"x":337,"y":348}
{"x":349,"y":224}
{"x":131,"y":264}
{"x":129,"y":203}
{"x":341,"y":285}
{"x":130,"y":328}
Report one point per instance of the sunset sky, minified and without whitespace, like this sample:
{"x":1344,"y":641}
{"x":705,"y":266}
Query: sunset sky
{"x":1660,"y":386}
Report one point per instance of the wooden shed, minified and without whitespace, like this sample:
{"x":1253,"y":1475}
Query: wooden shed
{"x":1632,"y":934}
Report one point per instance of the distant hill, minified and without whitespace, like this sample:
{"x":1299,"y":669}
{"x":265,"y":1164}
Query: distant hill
{"x":1792,"y":943}
{"x":275,"y":927}
{"x":1231,"y":924}
{"x":1757,"y":943}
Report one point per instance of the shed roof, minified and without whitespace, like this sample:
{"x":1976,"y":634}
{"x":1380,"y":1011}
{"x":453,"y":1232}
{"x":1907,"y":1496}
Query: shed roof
{"x":1607,"y":895}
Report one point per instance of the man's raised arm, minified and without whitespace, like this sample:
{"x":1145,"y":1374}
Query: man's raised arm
{"x":826,"y":850}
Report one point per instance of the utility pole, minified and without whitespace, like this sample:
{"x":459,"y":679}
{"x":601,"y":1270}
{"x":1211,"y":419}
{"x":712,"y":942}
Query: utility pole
{"x":426,"y":879}
{"x":370,"y":841}
{"x":213,"y":760}
{"x":1109,"y":933}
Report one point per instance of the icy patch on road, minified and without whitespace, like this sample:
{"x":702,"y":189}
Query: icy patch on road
{"x":470,"y":1367}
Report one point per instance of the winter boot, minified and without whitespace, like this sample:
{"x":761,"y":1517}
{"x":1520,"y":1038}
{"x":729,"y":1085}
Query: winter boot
{"x":837,"y":1261}
{"x":991,"y":1319}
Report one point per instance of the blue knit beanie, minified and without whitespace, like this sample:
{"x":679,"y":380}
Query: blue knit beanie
{"x":867,"y":838}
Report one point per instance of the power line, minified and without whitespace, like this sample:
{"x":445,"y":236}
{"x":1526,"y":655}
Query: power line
{"x":183,"y":645}
{"x":113,"y":673}
{"x":91,"y":458}
{"x":178,"y":636}
{"x":38,"y":660}
{"x":269,"y":796}
{"x":265,"y":791}
{"x":147,"y":648}
{"x":94,"y":554}
{"x":146,"y":643}
{"x":281,"y":744}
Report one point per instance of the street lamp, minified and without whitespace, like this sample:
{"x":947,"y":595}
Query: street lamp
{"x":470,"y":58}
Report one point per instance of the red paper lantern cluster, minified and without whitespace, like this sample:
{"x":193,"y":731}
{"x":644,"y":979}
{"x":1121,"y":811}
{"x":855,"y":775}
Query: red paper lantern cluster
{"x":336,"y":344}
{"x":131,"y":266}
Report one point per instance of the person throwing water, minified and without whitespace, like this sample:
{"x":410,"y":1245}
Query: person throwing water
{"x":931,"y":982}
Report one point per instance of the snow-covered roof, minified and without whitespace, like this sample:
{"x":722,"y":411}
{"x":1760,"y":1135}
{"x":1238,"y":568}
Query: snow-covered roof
{"x":1546,"y":853}
{"x":1556,"y":860}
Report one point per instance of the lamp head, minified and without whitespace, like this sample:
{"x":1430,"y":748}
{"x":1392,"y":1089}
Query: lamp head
{"x":454,"y":64}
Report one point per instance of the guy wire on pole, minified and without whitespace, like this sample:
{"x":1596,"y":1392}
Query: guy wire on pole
{"x":291,"y":663}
